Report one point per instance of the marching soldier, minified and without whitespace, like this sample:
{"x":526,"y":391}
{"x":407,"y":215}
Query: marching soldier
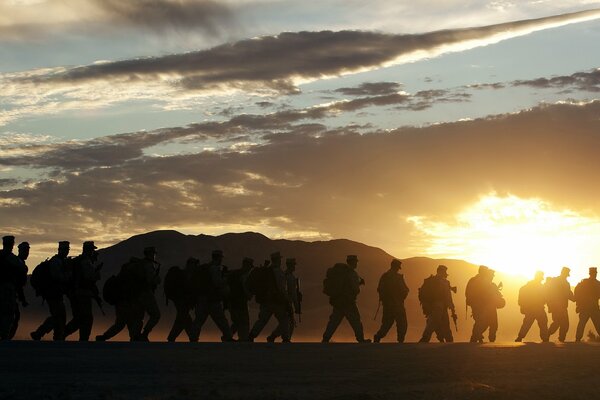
{"x":294,"y":296}
{"x":532,"y":300}
{"x":342,"y":285}
{"x":558,"y":292}
{"x":10,"y":267}
{"x":238,"y":299}
{"x":146,"y":300}
{"x":21,"y":281}
{"x":392,"y":292}
{"x":436,"y":299}
{"x":587,"y":293}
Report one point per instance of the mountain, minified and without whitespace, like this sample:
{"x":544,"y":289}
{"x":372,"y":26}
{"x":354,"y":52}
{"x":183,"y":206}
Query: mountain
{"x":313,"y":260}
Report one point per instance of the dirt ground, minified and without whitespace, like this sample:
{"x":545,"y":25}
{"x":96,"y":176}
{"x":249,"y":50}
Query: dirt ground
{"x":46,"y":370}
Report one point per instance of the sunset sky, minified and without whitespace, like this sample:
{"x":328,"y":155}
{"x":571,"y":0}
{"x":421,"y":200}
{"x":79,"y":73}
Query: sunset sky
{"x":443,"y":128}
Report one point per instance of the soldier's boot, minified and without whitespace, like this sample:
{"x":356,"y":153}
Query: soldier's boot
{"x":519,"y":339}
{"x":35,"y":335}
{"x":376,"y":339}
{"x":325,"y":339}
{"x":271,"y":339}
{"x":100,"y":338}
{"x":363,"y":340}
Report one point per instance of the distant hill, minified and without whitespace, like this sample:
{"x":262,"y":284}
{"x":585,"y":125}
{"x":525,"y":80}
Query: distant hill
{"x":313,"y":260}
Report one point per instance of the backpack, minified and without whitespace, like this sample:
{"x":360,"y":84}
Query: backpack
{"x":261,"y":283}
{"x":41,"y":279}
{"x":133,"y":278}
{"x":335,"y":284}
{"x":174,"y":283}
{"x":428,"y":293}
{"x":113,"y":290}
{"x":201,"y":280}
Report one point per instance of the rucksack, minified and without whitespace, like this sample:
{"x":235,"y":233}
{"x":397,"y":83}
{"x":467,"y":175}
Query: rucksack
{"x":261,"y":283}
{"x":113,"y":290}
{"x":428,"y":293}
{"x":41,"y":278}
{"x":336,"y":281}
{"x":174,"y":283}
{"x":132,"y":277}
{"x":201,"y":280}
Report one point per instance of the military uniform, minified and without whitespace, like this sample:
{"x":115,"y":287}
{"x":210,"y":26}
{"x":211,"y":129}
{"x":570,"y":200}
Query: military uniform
{"x":184,"y":300}
{"x":392,"y":292}
{"x":344,"y":303}
{"x":276,"y":304}
{"x":21,"y":281}
{"x":10,"y":266}
{"x":587,"y":293}
{"x":59,"y":278}
{"x":238,"y":300}
{"x":82,"y":293}
{"x":126,"y":315}
{"x":211,"y":302}
{"x":291,"y":285}
{"x":532,"y":300}
{"x":484,"y":298}
{"x":436,"y":310}
{"x":559,"y":293}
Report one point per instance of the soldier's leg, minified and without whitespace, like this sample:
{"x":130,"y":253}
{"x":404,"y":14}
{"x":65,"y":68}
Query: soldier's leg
{"x":240,"y":319}
{"x":218,"y":316}
{"x":73,"y":325}
{"x":583,"y":319}
{"x":493,"y":324}
{"x":353,"y":316}
{"x":15,"y":324}
{"x":445,"y":330}
{"x":401,"y":323}
{"x":201,"y":313}
{"x":387,"y":320}
{"x":135,"y":320}
{"x":479,"y":324}
{"x":151,"y":308}
{"x":555,"y":324}
{"x":180,"y":321}
{"x":542,"y":320}
{"x":117,"y":327}
{"x":564,"y":325}
{"x":86,"y":318}
{"x":595,"y":316}
{"x":334,"y":321}
{"x":283,"y":321}
{"x":8,"y":303}
{"x":264,"y":315}
{"x":55,"y":322}
{"x":430,"y":327}
{"x":527,"y":322}
{"x":277,"y":332}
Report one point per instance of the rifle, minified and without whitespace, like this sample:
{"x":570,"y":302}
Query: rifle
{"x":299,"y":296}
{"x":377,"y":312}
{"x":99,"y":302}
{"x":455,"y":319}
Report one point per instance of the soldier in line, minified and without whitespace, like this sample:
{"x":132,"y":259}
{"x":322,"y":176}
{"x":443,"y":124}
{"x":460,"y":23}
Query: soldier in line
{"x":484,"y":298}
{"x":532,"y":300}
{"x":392,"y":292}
{"x":294,"y":296}
{"x":145,"y":300}
{"x":10,"y":267}
{"x":272,"y":298}
{"x":238,"y":299}
{"x":435,"y":296}
{"x":558,"y":292}
{"x":83,"y":291}
{"x":23,"y":254}
{"x":587,"y":293}
{"x":178,"y":289}
{"x":52,"y":286}
{"x":210,"y":300}
{"x":342,"y":285}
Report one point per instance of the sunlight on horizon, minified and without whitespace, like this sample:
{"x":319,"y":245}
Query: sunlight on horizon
{"x":515,"y":236}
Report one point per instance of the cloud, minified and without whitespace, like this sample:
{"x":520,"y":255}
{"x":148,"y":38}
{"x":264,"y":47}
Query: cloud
{"x":341,"y":182}
{"x":371,"y":89}
{"x":37,"y":20}
{"x":270,"y":64}
{"x":587,"y":81}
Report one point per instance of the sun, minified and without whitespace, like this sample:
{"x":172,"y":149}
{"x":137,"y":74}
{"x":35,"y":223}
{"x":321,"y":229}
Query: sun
{"x":516,"y":236}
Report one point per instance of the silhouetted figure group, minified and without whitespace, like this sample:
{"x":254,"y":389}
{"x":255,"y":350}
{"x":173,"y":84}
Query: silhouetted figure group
{"x":202,"y":290}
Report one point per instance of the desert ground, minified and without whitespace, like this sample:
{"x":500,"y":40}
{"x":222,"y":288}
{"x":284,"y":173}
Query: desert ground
{"x":46,"y":370}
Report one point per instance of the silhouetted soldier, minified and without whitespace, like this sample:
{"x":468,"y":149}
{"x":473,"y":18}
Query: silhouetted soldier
{"x":178,"y":289}
{"x":587,"y":293}
{"x":558,"y":292}
{"x":294,"y":296}
{"x":123,"y":291}
{"x":435,"y":296}
{"x":52,"y":288}
{"x":20,"y":285}
{"x":532,"y":300}
{"x":238,"y":299}
{"x":210,"y":300}
{"x":392,"y":292}
{"x":342,"y":285}
{"x":274,"y":301}
{"x":146,"y":300}
{"x":83,"y":291}
{"x":10,"y":266}
{"x":484,"y":298}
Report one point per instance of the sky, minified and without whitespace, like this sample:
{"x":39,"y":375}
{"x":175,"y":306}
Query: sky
{"x":442,"y":128}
